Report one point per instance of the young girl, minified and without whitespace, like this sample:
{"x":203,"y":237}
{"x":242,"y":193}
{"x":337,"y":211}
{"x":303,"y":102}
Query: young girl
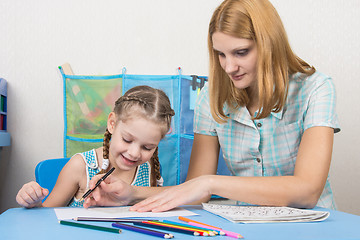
{"x":271,"y":113}
{"x":141,"y":118}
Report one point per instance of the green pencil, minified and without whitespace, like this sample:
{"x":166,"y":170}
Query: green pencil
{"x":89,"y":226}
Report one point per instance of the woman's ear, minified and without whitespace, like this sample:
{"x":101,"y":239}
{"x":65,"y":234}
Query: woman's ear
{"x":111,"y":122}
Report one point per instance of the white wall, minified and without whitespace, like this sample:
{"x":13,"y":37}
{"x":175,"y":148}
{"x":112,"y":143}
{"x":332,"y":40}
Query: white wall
{"x":153,"y":37}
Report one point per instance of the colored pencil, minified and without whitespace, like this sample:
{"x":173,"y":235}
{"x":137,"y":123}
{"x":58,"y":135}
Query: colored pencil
{"x":190,"y":220}
{"x":96,"y":219}
{"x":97,"y":184}
{"x":203,"y":228}
{"x":89,"y":226}
{"x":163,"y":227}
{"x":142,"y":230}
{"x":227,"y":233}
{"x":201,"y":232}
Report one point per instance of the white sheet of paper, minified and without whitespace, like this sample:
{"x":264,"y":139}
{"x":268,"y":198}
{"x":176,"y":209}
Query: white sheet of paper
{"x":115,"y":212}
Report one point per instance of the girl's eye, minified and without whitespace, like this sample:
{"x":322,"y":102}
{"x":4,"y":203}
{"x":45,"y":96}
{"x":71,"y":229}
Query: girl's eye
{"x":127,"y":141}
{"x":147,"y":148}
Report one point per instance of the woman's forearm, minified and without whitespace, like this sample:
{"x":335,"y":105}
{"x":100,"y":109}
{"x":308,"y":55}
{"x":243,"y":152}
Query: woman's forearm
{"x":274,"y":191}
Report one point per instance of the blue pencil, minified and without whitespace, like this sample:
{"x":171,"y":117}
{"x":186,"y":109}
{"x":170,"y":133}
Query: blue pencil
{"x":142,"y":230}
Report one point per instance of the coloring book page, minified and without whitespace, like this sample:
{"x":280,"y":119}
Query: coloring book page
{"x":257,"y":214}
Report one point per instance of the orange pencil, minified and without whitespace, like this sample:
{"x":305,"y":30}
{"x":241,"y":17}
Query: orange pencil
{"x":190,"y":220}
{"x":227,"y":233}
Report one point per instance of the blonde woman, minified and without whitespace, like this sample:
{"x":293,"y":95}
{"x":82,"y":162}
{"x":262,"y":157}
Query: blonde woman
{"x":272,"y":114}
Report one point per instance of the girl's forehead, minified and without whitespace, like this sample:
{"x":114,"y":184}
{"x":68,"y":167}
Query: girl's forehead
{"x":142,"y":129}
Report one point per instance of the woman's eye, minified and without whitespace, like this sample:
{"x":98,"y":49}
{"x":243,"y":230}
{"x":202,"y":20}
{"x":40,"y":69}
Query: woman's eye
{"x":242,"y":52}
{"x":220,"y":54}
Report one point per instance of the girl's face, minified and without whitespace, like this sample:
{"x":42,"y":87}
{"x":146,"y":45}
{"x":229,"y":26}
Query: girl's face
{"x":238,"y":58}
{"x":133,"y":142}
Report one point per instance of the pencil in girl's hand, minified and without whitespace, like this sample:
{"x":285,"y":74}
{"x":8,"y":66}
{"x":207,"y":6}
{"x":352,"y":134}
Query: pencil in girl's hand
{"x":97,"y":184}
{"x":143,"y":230}
{"x":89,"y":226}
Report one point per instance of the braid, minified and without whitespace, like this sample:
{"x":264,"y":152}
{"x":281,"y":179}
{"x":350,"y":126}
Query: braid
{"x":131,"y":98}
{"x":155,"y":169}
{"x":106,"y":144}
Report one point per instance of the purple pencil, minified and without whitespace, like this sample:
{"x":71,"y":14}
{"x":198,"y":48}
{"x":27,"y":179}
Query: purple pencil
{"x":142,"y":230}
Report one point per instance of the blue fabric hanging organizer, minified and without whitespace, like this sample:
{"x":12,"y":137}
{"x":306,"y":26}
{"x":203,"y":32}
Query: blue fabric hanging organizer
{"x":88,"y":100}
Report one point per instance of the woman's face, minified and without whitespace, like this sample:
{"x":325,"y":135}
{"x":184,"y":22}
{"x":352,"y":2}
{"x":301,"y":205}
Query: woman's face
{"x":238,"y":58}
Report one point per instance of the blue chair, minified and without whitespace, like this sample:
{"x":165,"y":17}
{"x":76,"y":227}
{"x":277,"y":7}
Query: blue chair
{"x":47,"y":172}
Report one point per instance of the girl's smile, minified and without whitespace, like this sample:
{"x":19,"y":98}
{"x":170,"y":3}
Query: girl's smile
{"x":129,"y":162}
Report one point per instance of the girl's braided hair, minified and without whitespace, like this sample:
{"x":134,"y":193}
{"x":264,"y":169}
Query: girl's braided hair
{"x":148,"y":102}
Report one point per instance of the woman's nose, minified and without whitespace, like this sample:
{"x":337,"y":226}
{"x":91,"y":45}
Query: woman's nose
{"x":230,"y":65}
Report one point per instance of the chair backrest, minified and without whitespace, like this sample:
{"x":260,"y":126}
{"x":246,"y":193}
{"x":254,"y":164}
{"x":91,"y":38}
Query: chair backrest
{"x":47,"y":172}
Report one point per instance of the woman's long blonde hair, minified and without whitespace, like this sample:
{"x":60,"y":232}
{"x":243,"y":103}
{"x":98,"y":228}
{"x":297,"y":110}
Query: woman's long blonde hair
{"x":259,"y":21}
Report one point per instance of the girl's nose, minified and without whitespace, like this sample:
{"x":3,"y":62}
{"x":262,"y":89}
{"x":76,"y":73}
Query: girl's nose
{"x":134,"y":152}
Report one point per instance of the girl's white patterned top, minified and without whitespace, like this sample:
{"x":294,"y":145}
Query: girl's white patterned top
{"x":142,"y":176}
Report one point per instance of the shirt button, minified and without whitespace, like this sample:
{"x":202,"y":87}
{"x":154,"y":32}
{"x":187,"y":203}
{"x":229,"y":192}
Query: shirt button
{"x":259,"y":125}
{"x":258,"y":160}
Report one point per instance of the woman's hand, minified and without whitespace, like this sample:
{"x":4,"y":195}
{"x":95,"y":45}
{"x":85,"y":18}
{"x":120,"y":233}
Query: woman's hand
{"x":111,"y":192}
{"x":31,"y":195}
{"x":191,"y":191}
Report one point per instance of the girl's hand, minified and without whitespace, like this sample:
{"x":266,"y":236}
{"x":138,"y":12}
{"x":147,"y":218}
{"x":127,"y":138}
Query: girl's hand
{"x":111,"y":192}
{"x":31,"y":195}
{"x":188,"y":192}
